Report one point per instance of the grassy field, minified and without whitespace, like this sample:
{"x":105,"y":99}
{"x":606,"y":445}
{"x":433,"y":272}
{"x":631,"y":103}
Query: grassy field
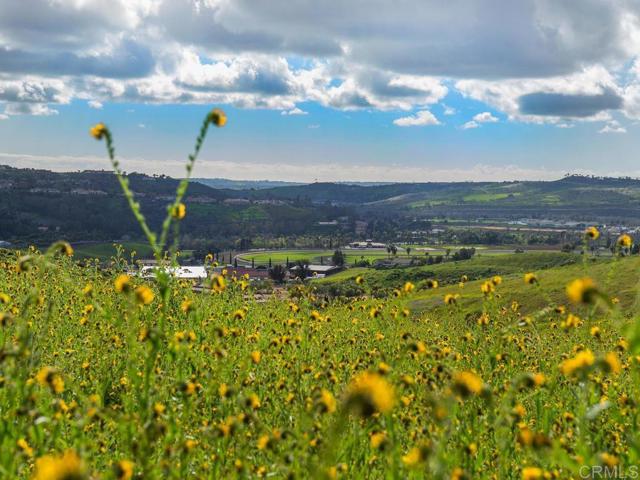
{"x":478,"y":267}
{"x":530,"y":370}
{"x":313,"y":255}
{"x":130,"y":380}
{"x":281,"y":256}
{"x":104,"y":251}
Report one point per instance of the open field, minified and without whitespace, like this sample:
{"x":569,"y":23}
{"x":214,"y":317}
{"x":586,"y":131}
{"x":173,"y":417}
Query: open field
{"x":104,"y":251}
{"x":478,"y":267}
{"x":216,"y":385}
{"x":281,"y":256}
{"x":353,"y":255}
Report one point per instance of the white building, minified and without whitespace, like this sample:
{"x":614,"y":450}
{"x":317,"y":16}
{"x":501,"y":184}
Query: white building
{"x":189,"y":273}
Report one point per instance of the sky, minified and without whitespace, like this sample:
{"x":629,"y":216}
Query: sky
{"x":339,"y":90}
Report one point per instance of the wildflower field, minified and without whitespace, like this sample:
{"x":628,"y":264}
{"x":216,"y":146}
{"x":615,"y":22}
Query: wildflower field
{"x":107,"y":375}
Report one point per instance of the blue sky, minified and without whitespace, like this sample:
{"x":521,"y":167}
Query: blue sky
{"x":416,"y":91}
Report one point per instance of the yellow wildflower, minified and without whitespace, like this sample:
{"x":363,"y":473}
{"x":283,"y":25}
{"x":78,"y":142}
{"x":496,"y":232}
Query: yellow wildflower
{"x":217,"y":117}
{"x":592,"y":233}
{"x":369,"y":393}
{"x":98,"y":131}
{"x":122,"y":283}
{"x":582,"y":290}
{"x":179,"y":211}
{"x":581,"y":362}
{"x":59,"y":467}
{"x":144,"y":295}
{"x":467,"y":384}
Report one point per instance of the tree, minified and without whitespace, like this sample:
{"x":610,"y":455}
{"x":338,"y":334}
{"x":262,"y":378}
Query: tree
{"x":338,"y":258}
{"x":408,"y":251}
{"x":278,"y":273}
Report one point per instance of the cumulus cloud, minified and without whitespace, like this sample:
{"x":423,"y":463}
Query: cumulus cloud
{"x":544,"y":61}
{"x":485,"y":117}
{"x":470,"y":125}
{"x":613,"y":127}
{"x":564,"y":105}
{"x":294,"y":111}
{"x":95,"y":104}
{"x":420,"y":119}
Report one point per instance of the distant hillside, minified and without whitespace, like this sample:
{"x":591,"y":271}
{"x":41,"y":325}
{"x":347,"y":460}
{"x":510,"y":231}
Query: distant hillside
{"x":224,"y":183}
{"x":39,"y":205}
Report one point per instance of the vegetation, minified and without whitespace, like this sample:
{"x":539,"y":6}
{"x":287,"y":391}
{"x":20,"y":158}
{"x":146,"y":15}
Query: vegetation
{"x":530,"y":374}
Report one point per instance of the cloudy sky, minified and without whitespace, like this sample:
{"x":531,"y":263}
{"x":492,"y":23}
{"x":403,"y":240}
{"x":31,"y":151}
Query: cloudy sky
{"x":387,"y":90}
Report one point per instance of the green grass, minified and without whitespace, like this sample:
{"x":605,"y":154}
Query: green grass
{"x":450,"y":272}
{"x":486,"y":197}
{"x":104,"y":251}
{"x":620,"y":277}
{"x":281,"y":256}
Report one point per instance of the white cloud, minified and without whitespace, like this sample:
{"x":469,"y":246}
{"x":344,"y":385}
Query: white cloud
{"x":300,"y":172}
{"x":613,"y":127}
{"x":95,"y":104}
{"x":420,"y":119}
{"x":470,"y":124}
{"x":546,"y":60}
{"x":485,"y":117}
{"x":3,"y":116}
{"x":448,"y":110}
{"x":294,"y":111}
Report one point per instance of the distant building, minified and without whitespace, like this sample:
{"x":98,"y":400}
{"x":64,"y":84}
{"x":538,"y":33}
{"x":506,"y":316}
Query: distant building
{"x":367,"y":244}
{"x":188,"y":273}
{"x":319,"y":271}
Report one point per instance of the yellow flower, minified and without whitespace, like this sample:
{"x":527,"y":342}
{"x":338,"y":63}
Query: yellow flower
{"x":327,"y":401}
{"x":179,"y":211}
{"x":49,"y":377}
{"x":578,"y":364}
{"x":144,"y":295}
{"x":217,"y":117}
{"x":218,"y":284}
{"x":59,"y":467}
{"x":451,"y":299}
{"x":98,"y":131}
{"x":408,"y":287}
{"x":530,"y":278}
{"x":592,"y":233}
{"x":467,"y":384}
{"x":122,"y":283}
{"x":488,"y":287}
{"x":378,"y":440}
{"x":24,"y":446}
{"x":186,"y":306}
{"x":496,"y":280}
{"x":582,"y":290}
{"x":359,"y":280}
{"x":611,"y":363}
{"x":431,"y":283}
{"x":625,"y":240}
{"x":370,"y":393}
{"x":417,"y":455}
{"x":256,"y":356}
{"x":532,"y":473}
{"x":124,"y":470}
